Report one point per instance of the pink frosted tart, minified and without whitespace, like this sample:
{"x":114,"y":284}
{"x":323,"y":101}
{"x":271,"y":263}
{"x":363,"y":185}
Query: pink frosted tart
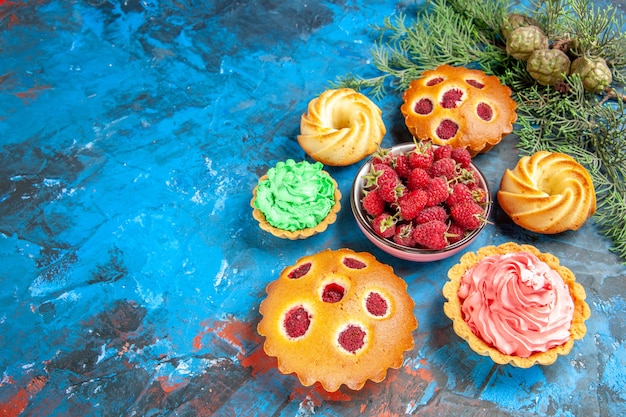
{"x":515,"y":304}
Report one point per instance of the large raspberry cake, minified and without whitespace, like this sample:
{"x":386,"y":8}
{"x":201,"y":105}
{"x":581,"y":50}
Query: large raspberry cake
{"x":337,"y":317}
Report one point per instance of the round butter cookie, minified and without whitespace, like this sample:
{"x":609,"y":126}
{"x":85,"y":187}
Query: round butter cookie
{"x":548,"y":192}
{"x":341,"y":127}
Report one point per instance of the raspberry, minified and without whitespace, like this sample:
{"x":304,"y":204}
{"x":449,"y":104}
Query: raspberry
{"x":444,"y":151}
{"x":467,"y":176}
{"x":376,"y":304}
{"x":384,"y":225}
{"x":431,"y":235}
{"x":380,"y":173}
{"x":447,"y":129}
{"x":434,"y":81}
{"x":475,"y":83}
{"x":381,"y":156}
{"x":333,"y":293}
{"x":484,"y":111}
{"x":404,"y":235}
{"x":451,"y":98}
{"x":373,"y":203}
{"x":437,"y":191}
{"x":479,"y":195}
{"x":300,"y":271}
{"x":422,"y":156}
{"x":297,"y":322}
{"x":460,"y":194}
{"x":401,"y":164}
{"x":467,"y":214}
{"x":390,"y":192}
{"x":352,"y":338}
{"x":418,"y":178}
{"x":353,"y":263}
{"x":475,"y":177}
{"x":430,"y":214}
{"x":386,"y":181}
{"x":445,"y":167}
{"x":455,"y":232}
{"x":412,"y":203}
{"x":462,"y":157}
{"x":423,"y":106}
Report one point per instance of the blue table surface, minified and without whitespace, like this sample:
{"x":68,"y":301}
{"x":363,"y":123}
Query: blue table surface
{"x":131,"y":136}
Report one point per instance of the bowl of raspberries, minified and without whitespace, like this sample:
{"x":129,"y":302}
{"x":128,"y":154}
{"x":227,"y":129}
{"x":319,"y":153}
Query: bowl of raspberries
{"x":419,"y":201}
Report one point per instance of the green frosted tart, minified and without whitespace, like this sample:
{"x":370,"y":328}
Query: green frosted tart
{"x":295,"y":200}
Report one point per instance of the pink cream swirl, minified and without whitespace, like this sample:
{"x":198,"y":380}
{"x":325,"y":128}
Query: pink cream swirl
{"x":517,"y":304}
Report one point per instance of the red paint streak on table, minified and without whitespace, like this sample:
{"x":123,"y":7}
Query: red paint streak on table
{"x":19,"y":401}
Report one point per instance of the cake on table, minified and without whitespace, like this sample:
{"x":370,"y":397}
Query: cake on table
{"x":296,"y":200}
{"x":337,"y":317}
{"x":548,"y":193}
{"x":460,"y":107}
{"x":341,"y":127}
{"x":515,"y":304}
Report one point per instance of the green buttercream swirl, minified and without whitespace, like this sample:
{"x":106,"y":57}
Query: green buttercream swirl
{"x":295,"y":196}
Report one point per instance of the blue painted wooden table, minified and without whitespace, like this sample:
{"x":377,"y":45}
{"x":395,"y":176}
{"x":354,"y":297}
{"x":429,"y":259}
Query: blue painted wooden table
{"x":131,"y":136}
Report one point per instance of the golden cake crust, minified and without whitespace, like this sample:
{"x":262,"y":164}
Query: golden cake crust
{"x":341,"y":127}
{"x":452,"y":306}
{"x":547,"y":192}
{"x":317,"y":356}
{"x":460,"y":107}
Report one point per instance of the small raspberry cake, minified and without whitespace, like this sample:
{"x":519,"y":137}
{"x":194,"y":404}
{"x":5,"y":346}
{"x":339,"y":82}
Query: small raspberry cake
{"x":460,"y":107}
{"x":337,"y":317}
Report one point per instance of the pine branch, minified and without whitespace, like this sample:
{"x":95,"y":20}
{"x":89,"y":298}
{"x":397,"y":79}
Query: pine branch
{"x":563,"y":118}
{"x":591,"y":132}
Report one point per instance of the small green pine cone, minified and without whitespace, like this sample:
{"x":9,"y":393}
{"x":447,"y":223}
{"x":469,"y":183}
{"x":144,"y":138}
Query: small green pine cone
{"x":594,"y":73}
{"x":548,"y":66}
{"x":523,"y":41}
{"x":514,"y":21}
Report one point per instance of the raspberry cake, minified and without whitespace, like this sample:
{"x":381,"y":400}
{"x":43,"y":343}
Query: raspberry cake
{"x":337,"y":317}
{"x":459,"y":107}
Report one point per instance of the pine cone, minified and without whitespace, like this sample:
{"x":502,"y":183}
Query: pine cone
{"x":594,"y":73}
{"x":514,"y":21}
{"x":548,"y":66}
{"x":523,"y":41}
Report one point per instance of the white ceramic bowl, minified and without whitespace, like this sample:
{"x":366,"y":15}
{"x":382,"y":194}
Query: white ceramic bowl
{"x":388,"y":245}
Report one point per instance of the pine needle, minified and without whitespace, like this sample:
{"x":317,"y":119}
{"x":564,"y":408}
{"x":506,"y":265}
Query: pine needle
{"x":590,"y":128}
